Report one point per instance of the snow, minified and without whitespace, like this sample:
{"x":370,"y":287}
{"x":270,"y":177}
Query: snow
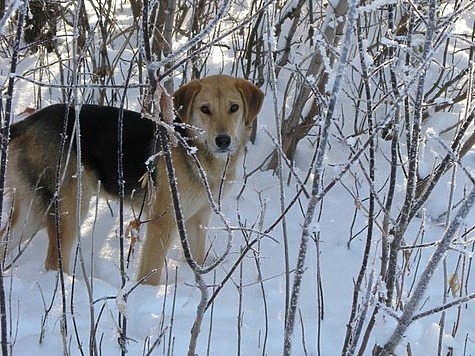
{"x":248,"y":315}
{"x":375,"y":5}
{"x":152,"y":311}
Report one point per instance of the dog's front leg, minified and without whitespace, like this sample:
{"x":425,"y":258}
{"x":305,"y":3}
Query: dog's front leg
{"x":195,"y":228}
{"x":155,"y":247}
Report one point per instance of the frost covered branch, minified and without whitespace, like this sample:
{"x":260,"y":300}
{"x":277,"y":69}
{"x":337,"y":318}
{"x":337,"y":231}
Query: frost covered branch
{"x":408,"y":316}
{"x":4,"y":140}
{"x":318,"y":170}
{"x":414,"y":141}
{"x":355,"y":323}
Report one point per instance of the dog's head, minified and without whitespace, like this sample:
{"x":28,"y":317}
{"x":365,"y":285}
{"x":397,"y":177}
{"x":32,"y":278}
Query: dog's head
{"x":222,"y":108}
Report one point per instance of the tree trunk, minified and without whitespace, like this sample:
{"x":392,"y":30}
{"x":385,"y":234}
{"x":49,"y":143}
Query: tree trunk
{"x":296,"y":126}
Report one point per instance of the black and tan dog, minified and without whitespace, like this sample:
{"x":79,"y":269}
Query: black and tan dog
{"x":218,"y":112}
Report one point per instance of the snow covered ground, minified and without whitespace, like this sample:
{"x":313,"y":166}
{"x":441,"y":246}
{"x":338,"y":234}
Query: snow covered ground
{"x":248,"y":314}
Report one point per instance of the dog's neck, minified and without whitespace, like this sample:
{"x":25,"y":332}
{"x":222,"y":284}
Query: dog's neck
{"x":226,"y":165}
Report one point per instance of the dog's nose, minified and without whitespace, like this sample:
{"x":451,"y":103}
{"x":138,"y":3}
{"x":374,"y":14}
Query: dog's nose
{"x":223,"y":141}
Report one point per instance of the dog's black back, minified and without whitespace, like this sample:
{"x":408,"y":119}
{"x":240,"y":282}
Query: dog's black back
{"x":99,"y":141}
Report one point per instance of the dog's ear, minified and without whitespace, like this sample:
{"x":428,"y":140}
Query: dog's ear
{"x":252,"y":97}
{"x":183,"y":99}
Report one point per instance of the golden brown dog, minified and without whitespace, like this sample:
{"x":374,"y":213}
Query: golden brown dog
{"x":216,"y":114}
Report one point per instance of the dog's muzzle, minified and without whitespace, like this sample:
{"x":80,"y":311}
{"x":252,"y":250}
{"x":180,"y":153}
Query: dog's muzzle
{"x":223,"y":142}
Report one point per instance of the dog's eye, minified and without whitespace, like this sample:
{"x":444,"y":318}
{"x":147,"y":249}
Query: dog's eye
{"x":234,"y":108}
{"x":205,"y":110}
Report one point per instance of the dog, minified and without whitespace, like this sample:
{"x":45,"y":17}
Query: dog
{"x":214,"y":114}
